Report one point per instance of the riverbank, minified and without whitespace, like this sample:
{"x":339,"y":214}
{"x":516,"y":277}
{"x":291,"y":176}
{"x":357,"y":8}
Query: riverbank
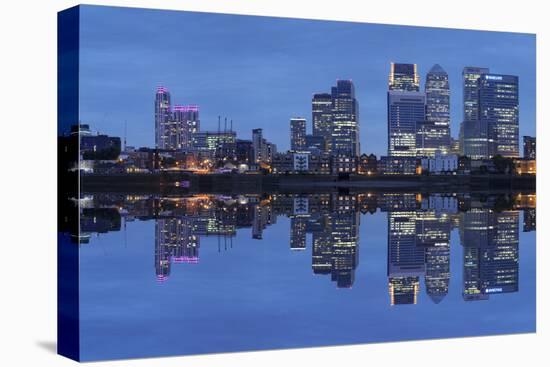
{"x":176,"y":182}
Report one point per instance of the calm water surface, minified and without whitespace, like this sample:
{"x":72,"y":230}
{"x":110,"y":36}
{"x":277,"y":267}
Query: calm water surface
{"x":207,"y":274}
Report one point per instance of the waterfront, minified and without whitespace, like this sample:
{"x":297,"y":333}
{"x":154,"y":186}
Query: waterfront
{"x":221,"y":273}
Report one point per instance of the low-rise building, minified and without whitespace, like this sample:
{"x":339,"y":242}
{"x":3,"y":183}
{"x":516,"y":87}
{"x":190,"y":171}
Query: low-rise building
{"x":399,"y":166}
{"x":440,"y":164}
{"x":525,"y":166}
{"x":368,"y":165}
{"x":343,"y":164}
{"x":303,"y":162}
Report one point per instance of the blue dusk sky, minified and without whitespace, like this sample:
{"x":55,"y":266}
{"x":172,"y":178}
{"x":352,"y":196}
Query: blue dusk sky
{"x":261,"y":71}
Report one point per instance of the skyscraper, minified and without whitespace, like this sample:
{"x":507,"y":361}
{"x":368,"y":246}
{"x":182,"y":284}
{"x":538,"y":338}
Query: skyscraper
{"x":529,"y":147}
{"x":162,"y":116}
{"x":491,"y":254}
{"x":344,"y":222}
{"x":404,"y":77}
{"x":345,"y":120}
{"x":499,"y":113}
{"x":406,"y":111}
{"x":438,"y":271}
{"x":188,"y":123}
{"x":174,"y":240}
{"x":405,"y":259}
{"x":298,"y":233}
{"x":258,"y":146}
{"x":321,"y":117}
{"x":433,"y":134}
{"x":297,"y":134}
{"x":473,"y":135}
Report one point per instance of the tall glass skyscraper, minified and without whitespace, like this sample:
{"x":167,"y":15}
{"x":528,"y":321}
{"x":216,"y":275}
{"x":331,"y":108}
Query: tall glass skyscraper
{"x":499,"y":112}
{"x":406,"y":262}
{"x":345,"y":120}
{"x":186,"y":119}
{"x":406,"y":109}
{"x":297,"y":134}
{"x":491,"y":253}
{"x":162,"y":116}
{"x":473,"y":134}
{"x":404,"y":77}
{"x":335,"y":117}
{"x":321,"y":117}
{"x":174,"y":126}
{"x":433,"y":134}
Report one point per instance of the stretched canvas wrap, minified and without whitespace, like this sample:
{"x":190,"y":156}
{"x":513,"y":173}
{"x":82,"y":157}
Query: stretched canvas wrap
{"x":236,"y":183}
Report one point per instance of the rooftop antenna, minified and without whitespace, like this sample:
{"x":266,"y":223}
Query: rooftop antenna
{"x":124,"y":148}
{"x":231,"y":129}
{"x":225,"y":125}
{"x":219,"y":117}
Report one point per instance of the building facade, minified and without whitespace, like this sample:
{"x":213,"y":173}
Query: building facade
{"x":473,"y":135}
{"x":499,"y":113}
{"x":321,"y":117}
{"x":404,"y":77}
{"x":433,"y":134}
{"x":162,"y":116}
{"x":187,"y":122}
{"x":297,"y":134}
{"x":345,"y":120}
{"x":529,"y":147}
{"x":406,"y":111}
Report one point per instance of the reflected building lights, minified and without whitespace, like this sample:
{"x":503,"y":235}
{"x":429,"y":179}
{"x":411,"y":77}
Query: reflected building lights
{"x":419,"y":234}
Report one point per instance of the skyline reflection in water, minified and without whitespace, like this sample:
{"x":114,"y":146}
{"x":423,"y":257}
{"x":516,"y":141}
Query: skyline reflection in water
{"x":446,"y":250}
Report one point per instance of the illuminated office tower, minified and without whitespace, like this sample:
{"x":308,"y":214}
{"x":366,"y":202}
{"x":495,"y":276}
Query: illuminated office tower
{"x":406,"y":261}
{"x":345,"y":120}
{"x":321,"y":117}
{"x":404,"y":290}
{"x":432,"y":227}
{"x":162,"y":116}
{"x":433,"y":134}
{"x":336,"y":245}
{"x":500,"y":262}
{"x":491,"y":253}
{"x":404,"y":256}
{"x":473,"y":135}
{"x":220,"y":143}
{"x":321,"y":253}
{"x":475,"y":228}
{"x":263,"y":216}
{"x":188,"y":123}
{"x":344,"y":231}
{"x":404,"y":77}
{"x":406,"y":111}
{"x":258,"y":146}
{"x":297,"y":134}
{"x":438,"y":265}
{"x":499,"y":113}
{"x":529,"y":147}
{"x":298,"y":233}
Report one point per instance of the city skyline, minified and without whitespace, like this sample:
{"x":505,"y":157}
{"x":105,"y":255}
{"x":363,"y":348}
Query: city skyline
{"x":232,"y":92}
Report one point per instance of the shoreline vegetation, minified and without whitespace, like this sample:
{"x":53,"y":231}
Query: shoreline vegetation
{"x":179,"y":182}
